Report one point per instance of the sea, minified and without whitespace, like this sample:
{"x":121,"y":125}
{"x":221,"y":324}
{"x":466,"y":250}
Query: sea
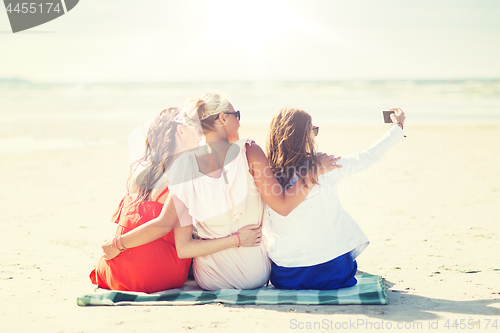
{"x":355,"y":102}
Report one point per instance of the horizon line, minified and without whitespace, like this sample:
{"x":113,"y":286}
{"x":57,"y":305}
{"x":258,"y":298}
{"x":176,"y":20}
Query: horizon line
{"x":127,"y":82}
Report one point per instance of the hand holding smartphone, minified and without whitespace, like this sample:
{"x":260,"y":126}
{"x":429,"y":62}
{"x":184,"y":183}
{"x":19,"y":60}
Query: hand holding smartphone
{"x":387,"y":116}
{"x":399,"y":118}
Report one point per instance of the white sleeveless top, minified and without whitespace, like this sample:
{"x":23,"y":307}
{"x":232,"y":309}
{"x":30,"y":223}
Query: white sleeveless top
{"x":219,"y":207}
{"x":319,"y":229}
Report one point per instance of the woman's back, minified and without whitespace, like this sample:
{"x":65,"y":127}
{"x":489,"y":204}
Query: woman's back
{"x":149,"y":268}
{"x":219,"y":207}
{"x":325,"y":229}
{"x":154,"y":266}
{"x":316,"y":245}
{"x":318,"y":230}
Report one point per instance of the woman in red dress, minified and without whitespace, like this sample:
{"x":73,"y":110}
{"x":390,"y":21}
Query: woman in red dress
{"x":154,"y":266}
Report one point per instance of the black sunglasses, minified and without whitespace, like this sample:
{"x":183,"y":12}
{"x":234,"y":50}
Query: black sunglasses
{"x":315,"y":130}
{"x":237,"y":114}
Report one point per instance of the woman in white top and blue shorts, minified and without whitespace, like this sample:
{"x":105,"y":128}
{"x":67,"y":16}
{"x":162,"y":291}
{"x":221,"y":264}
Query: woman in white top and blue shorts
{"x":315,"y":246}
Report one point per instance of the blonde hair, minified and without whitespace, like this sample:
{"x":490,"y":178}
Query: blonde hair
{"x":207,"y":108}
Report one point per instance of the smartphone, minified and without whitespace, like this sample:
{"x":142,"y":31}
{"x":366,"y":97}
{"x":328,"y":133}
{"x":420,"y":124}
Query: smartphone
{"x":387,"y":116}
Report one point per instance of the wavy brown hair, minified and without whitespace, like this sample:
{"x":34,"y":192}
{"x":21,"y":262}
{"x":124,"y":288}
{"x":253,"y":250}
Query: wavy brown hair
{"x":289,"y":149}
{"x":159,"y":152}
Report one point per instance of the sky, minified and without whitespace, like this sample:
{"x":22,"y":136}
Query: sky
{"x":259,"y":40}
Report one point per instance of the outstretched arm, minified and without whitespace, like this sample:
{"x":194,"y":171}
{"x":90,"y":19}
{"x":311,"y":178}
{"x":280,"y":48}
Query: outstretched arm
{"x":360,"y":161}
{"x":281,"y":201}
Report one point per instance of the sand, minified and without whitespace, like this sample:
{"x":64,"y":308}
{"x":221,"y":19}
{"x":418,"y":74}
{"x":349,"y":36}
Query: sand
{"x":430,"y":209}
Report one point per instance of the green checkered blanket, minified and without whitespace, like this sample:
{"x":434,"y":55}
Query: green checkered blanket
{"x":368,"y":290}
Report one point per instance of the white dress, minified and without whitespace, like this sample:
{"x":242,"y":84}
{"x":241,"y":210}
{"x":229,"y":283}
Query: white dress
{"x":219,"y":207}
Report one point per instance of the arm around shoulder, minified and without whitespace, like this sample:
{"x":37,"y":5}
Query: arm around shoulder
{"x":281,"y":201}
{"x":156,"y":228}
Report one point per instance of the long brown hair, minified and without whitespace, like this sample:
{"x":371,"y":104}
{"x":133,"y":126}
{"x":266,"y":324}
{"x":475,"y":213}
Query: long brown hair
{"x":159,"y":152}
{"x":289,"y":149}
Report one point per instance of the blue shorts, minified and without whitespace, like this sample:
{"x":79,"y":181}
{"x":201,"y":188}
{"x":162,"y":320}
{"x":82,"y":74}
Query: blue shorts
{"x":333,"y":274}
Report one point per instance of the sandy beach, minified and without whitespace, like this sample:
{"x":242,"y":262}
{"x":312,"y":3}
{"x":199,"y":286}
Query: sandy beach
{"x":77,"y":80}
{"x":430,"y":209}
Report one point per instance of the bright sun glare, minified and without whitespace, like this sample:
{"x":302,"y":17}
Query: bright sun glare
{"x":249,"y":24}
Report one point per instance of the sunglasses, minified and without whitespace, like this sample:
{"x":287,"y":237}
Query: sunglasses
{"x":237,"y":114}
{"x":315,"y":130}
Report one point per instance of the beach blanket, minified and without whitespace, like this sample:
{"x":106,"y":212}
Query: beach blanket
{"x":368,"y":290}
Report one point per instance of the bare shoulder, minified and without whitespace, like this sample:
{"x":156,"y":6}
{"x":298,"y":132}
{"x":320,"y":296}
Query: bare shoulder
{"x":255,"y":152}
{"x":257,"y":159}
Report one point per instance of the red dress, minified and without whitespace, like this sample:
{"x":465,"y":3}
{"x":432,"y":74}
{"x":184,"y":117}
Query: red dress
{"x":148,"y":268}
